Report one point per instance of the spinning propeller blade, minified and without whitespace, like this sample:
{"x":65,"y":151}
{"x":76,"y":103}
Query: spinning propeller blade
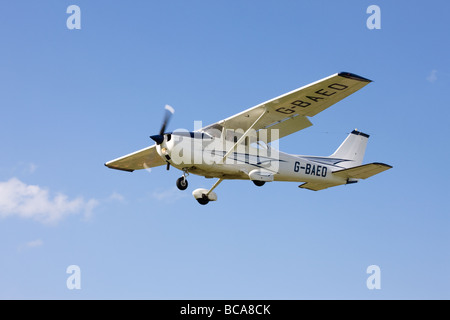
{"x":159,"y":138}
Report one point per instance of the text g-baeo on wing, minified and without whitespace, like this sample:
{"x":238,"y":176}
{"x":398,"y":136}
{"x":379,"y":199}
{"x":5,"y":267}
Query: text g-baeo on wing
{"x":289,"y":112}
{"x":142,"y":159}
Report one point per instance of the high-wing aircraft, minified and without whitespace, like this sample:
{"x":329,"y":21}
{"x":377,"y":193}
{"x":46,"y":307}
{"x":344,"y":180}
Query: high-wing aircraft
{"x":240,"y":147}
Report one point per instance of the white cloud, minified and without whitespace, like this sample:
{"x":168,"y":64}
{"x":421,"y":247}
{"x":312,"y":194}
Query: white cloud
{"x":25,"y":168}
{"x":89,"y":208}
{"x":34,"y":202}
{"x":34,"y":243}
{"x":116,"y":197}
{"x":31,"y":244}
{"x":168,"y":195}
{"x":32,"y":167}
{"x":432,"y":77}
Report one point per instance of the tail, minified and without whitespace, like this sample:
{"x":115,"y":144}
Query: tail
{"x":352,"y":150}
{"x":349,"y":156}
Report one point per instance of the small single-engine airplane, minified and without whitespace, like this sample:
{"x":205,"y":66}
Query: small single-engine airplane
{"x":237,"y":147}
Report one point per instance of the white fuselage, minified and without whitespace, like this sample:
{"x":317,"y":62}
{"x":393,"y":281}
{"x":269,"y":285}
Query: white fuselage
{"x":205,"y":156}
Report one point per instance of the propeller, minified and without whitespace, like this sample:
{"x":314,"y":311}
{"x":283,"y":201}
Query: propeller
{"x":159,"y":138}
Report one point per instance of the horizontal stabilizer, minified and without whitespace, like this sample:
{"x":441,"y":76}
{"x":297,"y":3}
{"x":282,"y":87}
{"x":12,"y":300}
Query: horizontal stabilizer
{"x":316,"y":186}
{"x":362,"y":172}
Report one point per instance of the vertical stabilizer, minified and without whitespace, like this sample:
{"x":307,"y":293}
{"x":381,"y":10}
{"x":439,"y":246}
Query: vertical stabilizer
{"x":352,"y":149}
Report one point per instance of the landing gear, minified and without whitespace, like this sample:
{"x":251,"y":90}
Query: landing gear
{"x":258,"y":183}
{"x":182,"y":183}
{"x":203,"y":200}
{"x":204,"y":196}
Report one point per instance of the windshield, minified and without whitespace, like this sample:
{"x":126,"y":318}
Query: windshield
{"x":195,"y":135}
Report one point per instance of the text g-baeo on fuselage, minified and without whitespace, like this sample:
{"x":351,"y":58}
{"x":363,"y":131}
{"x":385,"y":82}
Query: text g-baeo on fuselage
{"x":202,"y":154}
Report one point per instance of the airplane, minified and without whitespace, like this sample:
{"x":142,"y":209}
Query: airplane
{"x":239,"y":147}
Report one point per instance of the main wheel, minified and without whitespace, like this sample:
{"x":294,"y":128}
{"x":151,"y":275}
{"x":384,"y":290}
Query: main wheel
{"x":182,"y":183}
{"x":203,"y":200}
{"x":258,"y":183}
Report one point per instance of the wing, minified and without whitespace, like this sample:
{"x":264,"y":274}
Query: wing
{"x":142,"y":159}
{"x":289,"y":112}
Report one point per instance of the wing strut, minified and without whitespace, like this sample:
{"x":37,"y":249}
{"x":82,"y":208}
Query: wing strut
{"x":244,"y":135}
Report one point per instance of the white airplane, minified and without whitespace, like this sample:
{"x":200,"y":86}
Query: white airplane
{"x":237,"y":147}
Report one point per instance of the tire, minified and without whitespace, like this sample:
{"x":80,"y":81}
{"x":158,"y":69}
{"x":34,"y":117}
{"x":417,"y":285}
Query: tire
{"x":182,"y":183}
{"x":203,"y":201}
{"x":258,"y":183}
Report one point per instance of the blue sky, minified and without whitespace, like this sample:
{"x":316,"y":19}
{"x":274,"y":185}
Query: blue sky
{"x":73,"y":99}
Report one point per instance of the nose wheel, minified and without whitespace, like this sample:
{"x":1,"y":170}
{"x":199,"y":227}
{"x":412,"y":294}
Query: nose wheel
{"x":182,"y":183}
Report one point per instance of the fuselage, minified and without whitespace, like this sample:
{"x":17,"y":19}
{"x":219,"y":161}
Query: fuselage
{"x":203,"y":155}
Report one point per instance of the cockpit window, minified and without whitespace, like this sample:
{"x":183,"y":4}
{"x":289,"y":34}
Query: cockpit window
{"x":260,"y":145}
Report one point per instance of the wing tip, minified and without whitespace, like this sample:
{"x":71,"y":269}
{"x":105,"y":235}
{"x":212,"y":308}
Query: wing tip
{"x":117,"y":168}
{"x":383,"y":165}
{"x":353,"y":76}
